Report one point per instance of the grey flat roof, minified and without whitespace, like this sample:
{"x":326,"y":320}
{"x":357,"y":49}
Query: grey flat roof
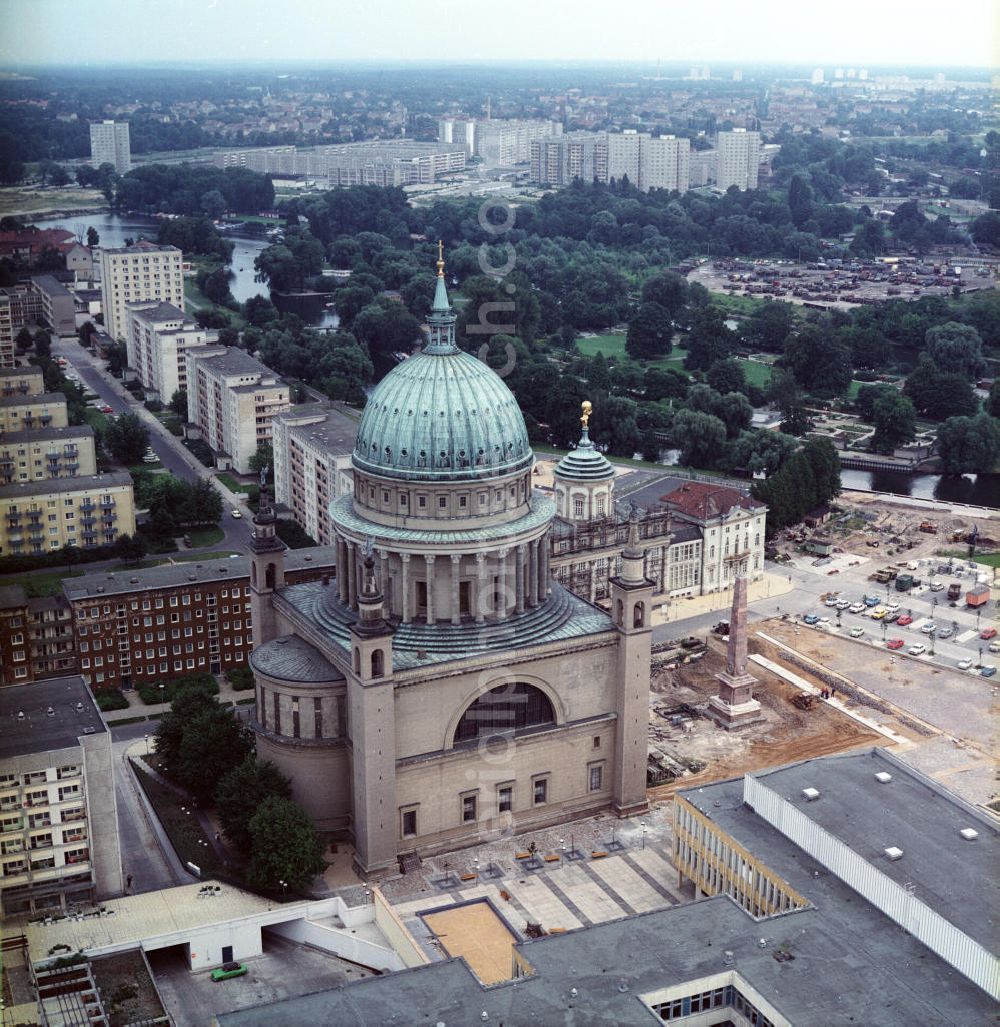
{"x":20,"y":372}
{"x":158,"y":310}
{"x":38,"y":731}
{"x":956,"y":878}
{"x":233,"y":361}
{"x":51,"y":286}
{"x":27,"y":401}
{"x":102,"y":584}
{"x":86,"y":483}
{"x":12,"y":597}
{"x":142,"y":246}
{"x":74,"y":431}
{"x":336,"y":432}
{"x":853,"y":969}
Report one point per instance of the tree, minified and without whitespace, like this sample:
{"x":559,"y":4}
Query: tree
{"x":726,"y":376}
{"x":708,"y":341}
{"x":783,"y":390}
{"x":939,"y":394}
{"x":188,"y":704}
{"x":126,"y":439}
{"x":212,"y":743}
{"x":43,"y":346}
{"x":24,"y":339}
{"x":203,"y":504}
{"x":993,"y":399}
{"x":669,"y":384}
{"x":735,"y":412}
{"x":895,"y":421}
{"x":760,"y":451}
{"x":957,"y":348}
{"x":667,"y":290}
{"x":800,"y":200}
{"x":179,"y":403}
{"x":617,"y":427}
{"x":259,"y":311}
{"x":700,"y":438}
{"x":242,"y":791}
{"x":93,"y":238}
{"x":650,"y":332}
{"x":283,"y":846}
{"x":117,"y":354}
{"x":820,"y":361}
{"x":968,"y":445}
{"x":131,"y":548}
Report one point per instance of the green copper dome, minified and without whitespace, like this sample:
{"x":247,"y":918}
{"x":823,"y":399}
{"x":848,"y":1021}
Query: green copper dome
{"x":442,"y":414}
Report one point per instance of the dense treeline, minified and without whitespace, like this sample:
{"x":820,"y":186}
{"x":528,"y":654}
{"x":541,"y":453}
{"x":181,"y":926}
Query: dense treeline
{"x":193,"y":190}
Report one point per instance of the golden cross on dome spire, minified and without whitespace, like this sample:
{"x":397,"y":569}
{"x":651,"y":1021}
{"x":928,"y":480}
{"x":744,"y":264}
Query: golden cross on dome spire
{"x":440,"y":260}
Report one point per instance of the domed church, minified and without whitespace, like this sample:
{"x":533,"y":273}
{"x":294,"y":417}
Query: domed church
{"x":442,"y":688}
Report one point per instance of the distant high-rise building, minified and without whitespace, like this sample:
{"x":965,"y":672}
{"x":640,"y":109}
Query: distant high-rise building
{"x":817,"y":77}
{"x":506,"y":142}
{"x":838,"y":73}
{"x":458,"y":130}
{"x":863,"y":74}
{"x":737,"y":74}
{"x":623,"y":155}
{"x":109,"y":144}
{"x":658,"y":162}
{"x":738,"y":159}
{"x":134,"y":274}
{"x":664,"y":163}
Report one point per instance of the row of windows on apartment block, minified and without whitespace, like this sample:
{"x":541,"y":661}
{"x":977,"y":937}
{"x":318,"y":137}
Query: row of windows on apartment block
{"x":470,"y":806}
{"x":718,"y":998}
{"x":160,"y":602}
{"x":34,"y":777}
{"x":13,"y":823}
{"x":44,"y":839}
{"x":16,"y":867}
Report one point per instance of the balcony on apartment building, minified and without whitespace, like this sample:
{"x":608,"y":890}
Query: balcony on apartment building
{"x":87,"y":505}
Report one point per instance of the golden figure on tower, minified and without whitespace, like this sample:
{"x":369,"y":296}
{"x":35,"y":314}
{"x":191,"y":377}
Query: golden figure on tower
{"x":440,"y":260}
{"x":586,"y":407}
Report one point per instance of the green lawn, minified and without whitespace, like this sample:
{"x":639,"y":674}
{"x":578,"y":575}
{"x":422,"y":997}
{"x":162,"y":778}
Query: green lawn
{"x":231,"y":483}
{"x":609,"y":345}
{"x":756,"y":373}
{"x":206,"y":537}
{"x":41,"y":583}
{"x":96,"y":420}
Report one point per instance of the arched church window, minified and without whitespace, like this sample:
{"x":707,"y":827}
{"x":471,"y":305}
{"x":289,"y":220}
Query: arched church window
{"x":269,"y":576}
{"x":378,"y":663}
{"x":506,"y":708}
{"x":638,"y":615}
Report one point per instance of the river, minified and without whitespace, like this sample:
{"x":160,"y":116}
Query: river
{"x":114,"y":229}
{"x":972,"y":489}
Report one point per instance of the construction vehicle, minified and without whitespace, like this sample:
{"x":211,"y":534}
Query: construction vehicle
{"x":929,"y":528}
{"x":885,"y":575}
{"x":954,"y":591}
{"x":978,"y":595}
{"x":904,"y":582}
{"x":804,"y":700}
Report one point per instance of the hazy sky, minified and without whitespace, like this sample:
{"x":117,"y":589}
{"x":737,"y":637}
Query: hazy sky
{"x":838,"y":32}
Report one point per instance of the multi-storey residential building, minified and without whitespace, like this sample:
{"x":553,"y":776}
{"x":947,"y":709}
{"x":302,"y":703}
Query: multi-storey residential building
{"x":458,"y":130}
{"x":109,"y":144}
{"x":233,"y":399}
{"x":312,"y":464}
{"x":152,"y":624}
{"x":58,"y":308}
{"x":47,"y":453}
{"x":36,"y":637}
{"x":664,"y":163}
{"x":384,"y":163}
{"x":58,"y":816}
{"x":565,"y":158}
{"x":39,"y":516}
{"x":21,"y":381}
{"x":20,"y":412}
{"x":157,"y":335}
{"x":138,"y":273}
{"x":738,"y":160}
{"x":506,"y":142}
{"x":6,"y":331}
{"x":624,"y":158}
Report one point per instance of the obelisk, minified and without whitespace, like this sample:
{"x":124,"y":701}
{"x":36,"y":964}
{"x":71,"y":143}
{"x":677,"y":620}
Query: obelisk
{"x":735,"y":706}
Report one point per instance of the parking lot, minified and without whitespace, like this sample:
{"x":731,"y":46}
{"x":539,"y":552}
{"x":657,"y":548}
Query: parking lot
{"x":284,"y":970}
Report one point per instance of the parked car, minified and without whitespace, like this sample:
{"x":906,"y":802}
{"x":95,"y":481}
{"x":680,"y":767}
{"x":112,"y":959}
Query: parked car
{"x":929,"y":628}
{"x":988,"y":633}
{"x":917,"y":649}
{"x":871,"y":600}
{"x":904,"y":620}
{"x":843,"y":604}
{"x":236,"y":515}
{"x":857,"y":608}
{"x":878,"y":613}
{"x":811,"y":618}
{"x":227,"y":970}
{"x":857,"y":632}
{"x":987,"y":671}
{"x":894,"y":643}
{"x":105,"y":409}
{"x":937,"y":586}
{"x":995,"y":646}
{"x":891,"y":617}
{"x":831,"y":602}
{"x":893,"y":606}
{"x":945,"y":633}
{"x":965,"y":664}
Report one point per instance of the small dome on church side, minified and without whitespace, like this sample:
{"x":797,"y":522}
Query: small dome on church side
{"x":442,"y":414}
{"x":586,"y":462}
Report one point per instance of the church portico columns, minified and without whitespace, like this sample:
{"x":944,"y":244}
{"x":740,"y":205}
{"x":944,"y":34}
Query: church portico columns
{"x":456,"y":563}
{"x":533,"y":573}
{"x":543,"y":577}
{"x":502,"y":586}
{"x":429,"y":561}
{"x":352,"y":575}
{"x":484,"y":606}
{"x":519,"y":561}
{"x":405,"y":557}
{"x":342,"y":571}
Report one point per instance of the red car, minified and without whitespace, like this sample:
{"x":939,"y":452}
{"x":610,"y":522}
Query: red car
{"x":106,"y":409}
{"x":894,"y":643}
{"x":988,"y":633}
{"x":902,"y":622}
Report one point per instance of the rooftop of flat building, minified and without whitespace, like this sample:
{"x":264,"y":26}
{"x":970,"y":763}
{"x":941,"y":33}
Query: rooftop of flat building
{"x":46,"y":716}
{"x":86,"y":483}
{"x":12,"y":597}
{"x":44,"y":399}
{"x":73,"y":431}
{"x":232,"y":360}
{"x":334,"y":432}
{"x":108,"y":583}
{"x":51,"y":286}
{"x":157,"y":311}
{"x":910,"y":812}
{"x":825,"y":966}
{"x":20,"y":372}
{"x":142,"y":246}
